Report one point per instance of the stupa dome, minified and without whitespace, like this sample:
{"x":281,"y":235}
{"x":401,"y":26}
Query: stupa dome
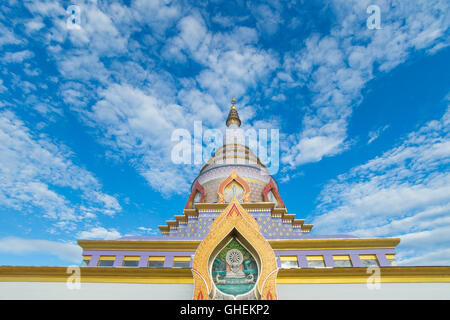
{"x":233,"y":159}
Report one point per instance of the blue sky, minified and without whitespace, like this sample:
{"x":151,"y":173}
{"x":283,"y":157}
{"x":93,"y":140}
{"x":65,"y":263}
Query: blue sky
{"x":86,"y":116}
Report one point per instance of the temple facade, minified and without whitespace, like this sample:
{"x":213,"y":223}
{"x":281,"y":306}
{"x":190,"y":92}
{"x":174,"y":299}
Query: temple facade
{"x":235,"y":239}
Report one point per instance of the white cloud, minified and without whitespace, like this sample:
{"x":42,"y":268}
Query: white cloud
{"x":279,"y":97}
{"x":2,"y":87}
{"x":111,"y":205}
{"x":7,"y":36}
{"x":438,"y":258}
{"x":232,"y":63}
{"x":128,"y":88}
{"x":336,"y":67}
{"x":268,"y":17}
{"x":17,"y":57}
{"x":138,"y":114}
{"x":82,"y":66}
{"x":139,"y":125}
{"x":99,"y":233}
{"x":149,"y":230}
{"x":32,"y":166}
{"x":405,"y":192}
{"x":98,"y":33}
{"x":34,"y":25}
{"x":373,"y":135}
{"x":163,"y":14}
{"x":45,"y":7}
{"x":65,"y":251}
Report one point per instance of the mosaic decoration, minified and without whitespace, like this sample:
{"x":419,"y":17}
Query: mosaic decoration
{"x":234,"y":270}
{"x":271,"y":226}
{"x":271,"y":190}
{"x":233,"y":178}
{"x":196,"y":191}
{"x":255,"y":177}
{"x":233,"y":190}
{"x":236,"y":221}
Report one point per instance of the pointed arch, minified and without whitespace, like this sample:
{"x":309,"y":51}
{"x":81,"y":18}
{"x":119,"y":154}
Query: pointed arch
{"x":197,"y":188}
{"x":271,"y":187}
{"x":234,"y":221}
{"x":234,"y":177}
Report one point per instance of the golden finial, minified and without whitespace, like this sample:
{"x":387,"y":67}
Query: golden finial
{"x":233,"y":116}
{"x":233,"y":103}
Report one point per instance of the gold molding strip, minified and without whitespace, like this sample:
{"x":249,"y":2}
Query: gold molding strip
{"x":207,"y":206}
{"x":191,"y":245}
{"x":181,"y":219}
{"x":245,"y":205}
{"x":190,"y":212}
{"x":306,"y":227}
{"x":164,"y":229}
{"x":282,"y":211}
{"x":297,"y":223}
{"x":101,"y":275}
{"x":324,"y":244}
{"x":360,"y":275}
{"x":178,"y":275}
{"x":159,"y":245}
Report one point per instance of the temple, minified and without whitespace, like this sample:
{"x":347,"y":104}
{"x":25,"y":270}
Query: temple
{"x":235,"y":239}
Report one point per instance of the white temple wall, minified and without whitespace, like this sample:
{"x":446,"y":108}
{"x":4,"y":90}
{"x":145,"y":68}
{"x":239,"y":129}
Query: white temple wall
{"x":59,"y":290}
{"x":107,"y":291}
{"x":360,"y":291}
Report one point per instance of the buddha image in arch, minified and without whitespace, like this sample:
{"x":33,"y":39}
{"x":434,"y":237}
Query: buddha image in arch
{"x":234,"y":270}
{"x":234,"y":190}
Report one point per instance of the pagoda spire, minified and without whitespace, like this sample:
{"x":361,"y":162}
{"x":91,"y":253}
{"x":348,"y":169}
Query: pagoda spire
{"x":233,"y":117}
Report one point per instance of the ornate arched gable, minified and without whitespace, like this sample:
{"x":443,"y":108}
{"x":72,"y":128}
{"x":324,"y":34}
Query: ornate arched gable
{"x":234,"y":221}
{"x":271,"y":187}
{"x":234,"y":177}
{"x":197,"y":188}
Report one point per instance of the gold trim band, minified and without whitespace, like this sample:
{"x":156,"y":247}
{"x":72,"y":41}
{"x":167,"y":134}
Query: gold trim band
{"x":191,"y":245}
{"x":166,"y":275}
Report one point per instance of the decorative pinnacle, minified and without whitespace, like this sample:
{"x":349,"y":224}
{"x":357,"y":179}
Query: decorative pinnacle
{"x":233,"y":116}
